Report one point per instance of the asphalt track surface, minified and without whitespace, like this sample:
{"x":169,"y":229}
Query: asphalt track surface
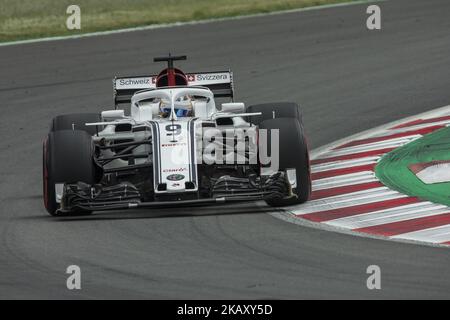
{"x":347,"y":79}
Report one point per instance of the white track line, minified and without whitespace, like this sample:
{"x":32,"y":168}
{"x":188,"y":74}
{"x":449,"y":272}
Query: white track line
{"x":370,"y":133}
{"x":396,"y":214}
{"x":343,"y":164}
{"x":435,"y":235}
{"x":344,"y":180}
{"x":349,"y":200}
{"x":343,"y":152}
{"x":420,"y":126}
{"x":431,"y":236}
{"x":382,"y":134}
{"x":391,"y":143}
{"x":331,"y":185}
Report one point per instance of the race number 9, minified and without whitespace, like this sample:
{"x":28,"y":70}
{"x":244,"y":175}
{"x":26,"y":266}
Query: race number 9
{"x":173,"y":129}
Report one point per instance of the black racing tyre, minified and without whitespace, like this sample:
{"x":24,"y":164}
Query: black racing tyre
{"x":293,"y":154}
{"x":75,"y":121}
{"x":68,"y":157}
{"x":275,"y":110}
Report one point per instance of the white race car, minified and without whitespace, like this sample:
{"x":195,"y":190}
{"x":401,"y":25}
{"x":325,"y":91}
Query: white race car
{"x":175,"y":147}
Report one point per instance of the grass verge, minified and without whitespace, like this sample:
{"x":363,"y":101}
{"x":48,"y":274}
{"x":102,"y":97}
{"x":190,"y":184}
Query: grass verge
{"x":393,"y":169}
{"x":27,"y":19}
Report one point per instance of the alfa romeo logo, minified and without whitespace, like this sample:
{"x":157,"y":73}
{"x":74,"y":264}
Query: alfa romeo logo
{"x":175,"y":177}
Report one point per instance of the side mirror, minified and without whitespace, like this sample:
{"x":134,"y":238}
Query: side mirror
{"x":233,"y":107}
{"x":111,"y":115}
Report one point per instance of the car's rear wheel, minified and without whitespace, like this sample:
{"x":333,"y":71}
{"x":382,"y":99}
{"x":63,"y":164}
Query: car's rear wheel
{"x":293,"y":154}
{"x":68,"y":157}
{"x":75,"y":121}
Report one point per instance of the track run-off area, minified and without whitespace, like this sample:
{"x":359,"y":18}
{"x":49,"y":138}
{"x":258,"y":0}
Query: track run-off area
{"x":347,"y":80}
{"x":348,"y":194}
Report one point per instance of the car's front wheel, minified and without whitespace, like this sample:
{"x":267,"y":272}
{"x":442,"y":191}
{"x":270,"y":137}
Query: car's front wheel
{"x":75,"y":121}
{"x":68,"y":157}
{"x":293,"y":154}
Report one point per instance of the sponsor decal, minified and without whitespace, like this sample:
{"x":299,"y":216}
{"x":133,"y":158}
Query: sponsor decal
{"x":169,"y":145}
{"x":208,"y":78}
{"x":134,"y":83}
{"x":175,"y":170}
{"x":175,"y":177}
{"x":150,"y":81}
{"x":212,"y":77}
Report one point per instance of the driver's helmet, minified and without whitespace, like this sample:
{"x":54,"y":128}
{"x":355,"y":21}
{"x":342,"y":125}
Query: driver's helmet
{"x":183,"y":107}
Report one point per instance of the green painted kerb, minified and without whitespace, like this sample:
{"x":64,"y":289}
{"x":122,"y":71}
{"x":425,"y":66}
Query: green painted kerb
{"x":393,"y":169}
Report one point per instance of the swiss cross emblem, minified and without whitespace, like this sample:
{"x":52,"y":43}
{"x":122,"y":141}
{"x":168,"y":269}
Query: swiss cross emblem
{"x":191,"y":77}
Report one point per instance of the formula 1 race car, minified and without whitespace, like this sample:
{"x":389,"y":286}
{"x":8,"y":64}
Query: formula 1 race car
{"x":175,"y":148}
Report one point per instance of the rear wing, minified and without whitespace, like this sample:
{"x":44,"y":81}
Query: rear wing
{"x":220,"y":83}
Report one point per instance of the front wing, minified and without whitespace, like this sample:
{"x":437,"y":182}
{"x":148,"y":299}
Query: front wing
{"x":83,"y":197}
